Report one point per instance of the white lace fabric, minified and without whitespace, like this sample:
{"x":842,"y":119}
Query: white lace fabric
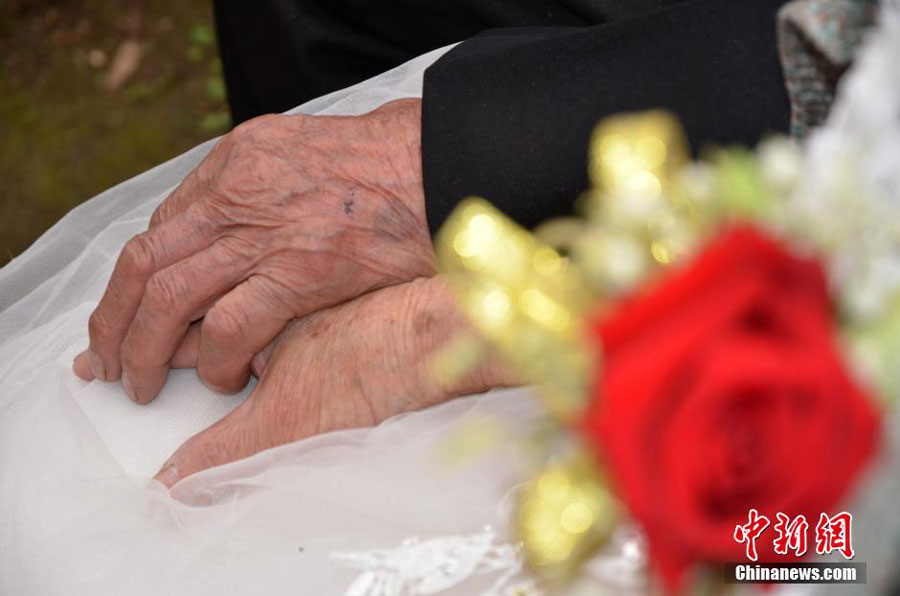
{"x":432,"y":566}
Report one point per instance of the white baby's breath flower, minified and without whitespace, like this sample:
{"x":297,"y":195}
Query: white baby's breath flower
{"x":781,"y":163}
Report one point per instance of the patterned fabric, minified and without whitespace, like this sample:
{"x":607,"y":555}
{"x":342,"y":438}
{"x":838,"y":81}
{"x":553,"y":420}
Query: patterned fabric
{"x":817,"y":40}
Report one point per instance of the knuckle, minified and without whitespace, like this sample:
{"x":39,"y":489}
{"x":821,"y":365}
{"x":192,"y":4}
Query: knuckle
{"x":98,"y":326}
{"x":223,"y":326}
{"x":242,"y":129}
{"x":263,"y":121}
{"x":137,"y":255}
{"x":246,"y":129}
{"x":165,"y":290}
{"x":256,"y":127}
{"x":270,"y":119}
{"x":163,"y":211}
{"x":158,"y":216}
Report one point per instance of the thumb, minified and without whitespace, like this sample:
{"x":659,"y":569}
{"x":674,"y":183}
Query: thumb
{"x":234,"y":437}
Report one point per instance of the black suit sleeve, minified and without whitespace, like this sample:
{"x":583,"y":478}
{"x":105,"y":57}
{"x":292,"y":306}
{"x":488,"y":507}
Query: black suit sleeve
{"x":507,"y":115}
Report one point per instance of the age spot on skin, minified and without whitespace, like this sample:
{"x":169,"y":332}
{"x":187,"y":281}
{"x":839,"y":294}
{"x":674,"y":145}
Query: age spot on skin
{"x":348,"y":207}
{"x":424,"y":323}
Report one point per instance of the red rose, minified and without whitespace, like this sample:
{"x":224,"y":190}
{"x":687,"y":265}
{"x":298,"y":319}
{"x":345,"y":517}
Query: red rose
{"x":722,"y":391}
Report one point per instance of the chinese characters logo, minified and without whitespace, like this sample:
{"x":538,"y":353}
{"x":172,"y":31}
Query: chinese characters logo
{"x":832,"y":533}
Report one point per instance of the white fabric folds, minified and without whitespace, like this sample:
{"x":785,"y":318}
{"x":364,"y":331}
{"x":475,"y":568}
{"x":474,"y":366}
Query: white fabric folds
{"x":77,"y":514}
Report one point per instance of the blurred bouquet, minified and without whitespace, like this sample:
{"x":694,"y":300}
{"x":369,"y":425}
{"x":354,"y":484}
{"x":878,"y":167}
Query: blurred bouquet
{"x":701,"y":332}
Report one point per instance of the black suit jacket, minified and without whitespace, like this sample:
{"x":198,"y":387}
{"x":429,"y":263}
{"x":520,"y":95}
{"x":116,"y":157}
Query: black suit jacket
{"x":508,"y":113}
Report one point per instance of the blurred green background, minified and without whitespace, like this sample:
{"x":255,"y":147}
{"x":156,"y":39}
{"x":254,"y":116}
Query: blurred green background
{"x":92,"y":93}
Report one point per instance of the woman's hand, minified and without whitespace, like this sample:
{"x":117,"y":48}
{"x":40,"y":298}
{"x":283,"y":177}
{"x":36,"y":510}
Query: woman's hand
{"x":351,"y":365}
{"x":285,"y":216}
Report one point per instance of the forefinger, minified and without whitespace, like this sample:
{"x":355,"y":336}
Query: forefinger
{"x":142,"y":256}
{"x":175,"y":297}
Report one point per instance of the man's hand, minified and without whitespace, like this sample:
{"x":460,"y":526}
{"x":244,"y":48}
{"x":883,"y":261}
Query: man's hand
{"x":352,"y":365}
{"x":285,"y":216}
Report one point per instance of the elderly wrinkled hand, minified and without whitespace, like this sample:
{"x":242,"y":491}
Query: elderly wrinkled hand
{"x":287,"y":215}
{"x":351,"y":365}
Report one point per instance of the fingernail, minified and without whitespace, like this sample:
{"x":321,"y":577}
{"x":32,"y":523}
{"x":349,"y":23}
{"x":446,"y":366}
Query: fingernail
{"x":96,"y":365}
{"x":168,"y":475}
{"x":128,"y":387}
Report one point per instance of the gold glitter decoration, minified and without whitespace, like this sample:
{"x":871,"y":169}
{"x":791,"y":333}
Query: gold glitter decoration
{"x":636,"y":154}
{"x":635,"y":165}
{"x":639,"y":214}
{"x":564,"y":515}
{"x":523,"y":297}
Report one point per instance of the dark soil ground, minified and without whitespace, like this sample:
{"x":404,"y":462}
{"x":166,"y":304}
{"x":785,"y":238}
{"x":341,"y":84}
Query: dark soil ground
{"x":92,"y":93}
